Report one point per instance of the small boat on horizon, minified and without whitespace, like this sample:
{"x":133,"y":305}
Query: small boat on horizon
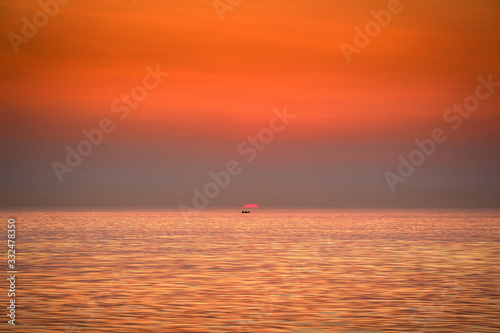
{"x":245,"y":211}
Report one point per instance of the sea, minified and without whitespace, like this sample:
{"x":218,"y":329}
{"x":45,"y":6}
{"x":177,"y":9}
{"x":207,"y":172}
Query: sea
{"x":273,"y":270}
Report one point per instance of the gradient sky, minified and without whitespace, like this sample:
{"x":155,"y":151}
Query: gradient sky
{"x":352,"y":121}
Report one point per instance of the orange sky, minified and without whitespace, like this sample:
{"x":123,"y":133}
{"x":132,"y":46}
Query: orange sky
{"x":227,"y":76}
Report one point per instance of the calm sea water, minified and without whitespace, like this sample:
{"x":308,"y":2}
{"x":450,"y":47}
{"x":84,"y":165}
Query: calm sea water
{"x":268,"y":271}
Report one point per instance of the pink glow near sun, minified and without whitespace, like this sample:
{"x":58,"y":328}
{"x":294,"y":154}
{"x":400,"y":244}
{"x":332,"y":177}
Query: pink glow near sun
{"x":251,"y":206}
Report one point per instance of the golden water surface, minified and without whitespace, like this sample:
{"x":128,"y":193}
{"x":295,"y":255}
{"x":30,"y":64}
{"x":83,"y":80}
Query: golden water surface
{"x":267,"y":271}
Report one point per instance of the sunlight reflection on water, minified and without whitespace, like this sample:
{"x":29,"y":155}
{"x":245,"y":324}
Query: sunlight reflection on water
{"x":268,"y":271}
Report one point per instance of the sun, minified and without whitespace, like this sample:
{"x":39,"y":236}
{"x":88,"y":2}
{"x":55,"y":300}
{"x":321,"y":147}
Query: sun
{"x":251,"y":206}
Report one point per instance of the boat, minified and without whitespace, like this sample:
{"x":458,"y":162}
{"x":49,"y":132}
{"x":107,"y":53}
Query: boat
{"x":245,"y":211}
